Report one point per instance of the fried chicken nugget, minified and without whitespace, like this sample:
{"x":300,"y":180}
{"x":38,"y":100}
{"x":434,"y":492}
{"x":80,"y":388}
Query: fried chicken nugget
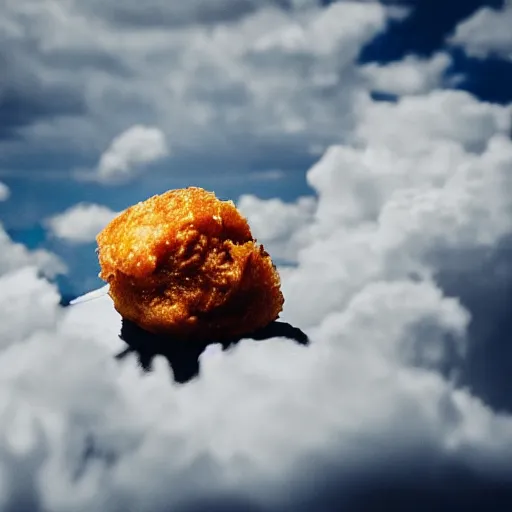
{"x":185,"y":264}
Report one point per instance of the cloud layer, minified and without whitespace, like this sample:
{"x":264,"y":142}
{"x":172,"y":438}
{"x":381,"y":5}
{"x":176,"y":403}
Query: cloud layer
{"x":223,"y":91}
{"x":405,"y":206}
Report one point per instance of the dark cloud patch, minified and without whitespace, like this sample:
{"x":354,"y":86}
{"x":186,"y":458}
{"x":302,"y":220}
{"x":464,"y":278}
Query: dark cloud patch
{"x":23,"y":106}
{"x":25,"y":97}
{"x":222,"y":504}
{"x":487,"y":294}
{"x":39,"y":81}
{"x":70,"y":60}
{"x":175,"y":13}
{"x":421,"y":485}
{"x":449,"y":488}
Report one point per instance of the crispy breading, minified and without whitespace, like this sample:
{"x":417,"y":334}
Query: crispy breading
{"x":185,"y":264}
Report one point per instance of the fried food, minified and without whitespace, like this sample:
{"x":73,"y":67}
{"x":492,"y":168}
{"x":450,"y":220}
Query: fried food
{"x":185,"y":264}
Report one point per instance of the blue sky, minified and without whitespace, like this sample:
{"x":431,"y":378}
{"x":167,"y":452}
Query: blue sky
{"x":369,"y":145}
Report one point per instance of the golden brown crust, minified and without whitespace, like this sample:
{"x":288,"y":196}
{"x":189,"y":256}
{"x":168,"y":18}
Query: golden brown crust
{"x":184,"y":263}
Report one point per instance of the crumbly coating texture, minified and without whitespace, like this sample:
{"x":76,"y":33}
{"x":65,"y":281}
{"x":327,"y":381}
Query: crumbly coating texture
{"x":185,"y":264}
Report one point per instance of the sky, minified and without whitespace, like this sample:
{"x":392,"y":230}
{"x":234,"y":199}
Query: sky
{"x":369,"y":145}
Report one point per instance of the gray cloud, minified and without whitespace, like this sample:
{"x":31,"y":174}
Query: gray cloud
{"x":483,"y":281}
{"x":227,"y":90}
{"x":19,"y":108}
{"x":175,"y":13}
{"x":26,"y":97}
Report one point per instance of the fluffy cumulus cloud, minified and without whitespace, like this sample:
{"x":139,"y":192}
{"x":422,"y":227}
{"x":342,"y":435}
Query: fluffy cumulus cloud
{"x":486,"y":33}
{"x":282,"y":226}
{"x":136,"y":147}
{"x":396,"y":212}
{"x":416,"y":123}
{"x":80,"y":223}
{"x":77,"y":74}
{"x":412,"y":75}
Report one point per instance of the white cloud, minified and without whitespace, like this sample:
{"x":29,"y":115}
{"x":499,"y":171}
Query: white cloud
{"x":412,"y":75}
{"x":26,"y":296}
{"x":4,"y":192}
{"x":410,"y":192}
{"x":419,"y":122}
{"x":80,"y":223}
{"x":279,"y":224}
{"x":134,"y":148}
{"x":486,"y":33}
